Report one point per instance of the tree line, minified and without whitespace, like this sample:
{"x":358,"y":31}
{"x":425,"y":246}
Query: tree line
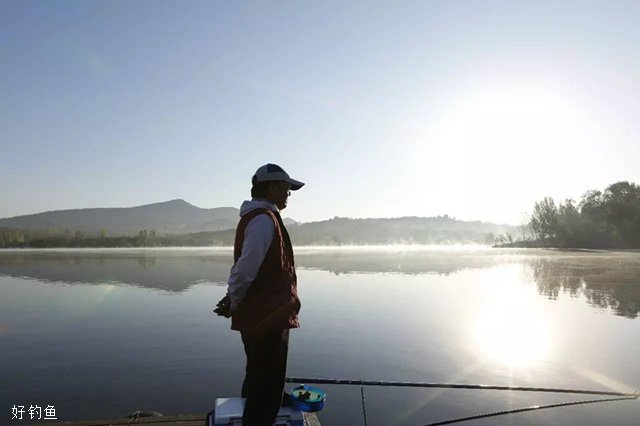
{"x":334,"y":232}
{"x":53,"y":238}
{"x":601,"y":219}
{"x":17,"y":238}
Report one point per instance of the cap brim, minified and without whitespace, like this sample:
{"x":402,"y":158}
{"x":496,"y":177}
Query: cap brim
{"x":295,"y":184}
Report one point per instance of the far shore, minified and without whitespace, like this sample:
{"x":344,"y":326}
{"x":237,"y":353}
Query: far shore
{"x":548,"y":245}
{"x":407,"y":247}
{"x":307,"y":248}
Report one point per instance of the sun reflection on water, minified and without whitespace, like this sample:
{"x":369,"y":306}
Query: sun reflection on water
{"x":511,"y":327}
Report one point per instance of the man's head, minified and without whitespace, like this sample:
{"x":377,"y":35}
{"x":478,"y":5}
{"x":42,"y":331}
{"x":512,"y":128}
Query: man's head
{"x":274,"y":184}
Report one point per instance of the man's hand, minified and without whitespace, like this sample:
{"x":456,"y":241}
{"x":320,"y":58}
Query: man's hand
{"x":224,"y":307}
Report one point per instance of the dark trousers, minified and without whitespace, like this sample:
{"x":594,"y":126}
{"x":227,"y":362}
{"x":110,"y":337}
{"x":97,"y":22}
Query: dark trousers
{"x":265,"y":373}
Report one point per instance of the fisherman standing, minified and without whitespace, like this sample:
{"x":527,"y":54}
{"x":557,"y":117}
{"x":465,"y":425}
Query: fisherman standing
{"x":262,"y":297}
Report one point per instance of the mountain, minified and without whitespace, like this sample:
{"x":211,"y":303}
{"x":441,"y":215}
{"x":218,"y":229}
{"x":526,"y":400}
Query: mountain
{"x":402,"y":230}
{"x":192,"y":225}
{"x":347,"y":231}
{"x":170,"y":217}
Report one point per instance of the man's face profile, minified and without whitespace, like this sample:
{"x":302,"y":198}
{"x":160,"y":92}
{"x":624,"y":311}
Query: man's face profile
{"x":279,"y":192}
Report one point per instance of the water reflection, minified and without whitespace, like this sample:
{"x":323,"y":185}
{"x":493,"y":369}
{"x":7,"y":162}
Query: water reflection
{"x":173,"y":271}
{"x":78,"y":325}
{"x":415,"y":261}
{"x":512,"y":326}
{"x":176,"y":270}
{"x":608,"y":280}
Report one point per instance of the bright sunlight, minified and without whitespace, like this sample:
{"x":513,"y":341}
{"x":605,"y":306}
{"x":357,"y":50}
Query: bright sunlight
{"x":482,"y":137}
{"x":511,"y":328}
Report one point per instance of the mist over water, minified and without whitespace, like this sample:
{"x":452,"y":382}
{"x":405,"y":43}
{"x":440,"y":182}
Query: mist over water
{"x":102,"y":333}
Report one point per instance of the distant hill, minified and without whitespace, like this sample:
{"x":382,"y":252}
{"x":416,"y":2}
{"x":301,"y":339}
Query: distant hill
{"x":402,"y":230}
{"x":182,"y":224}
{"x":170,"y":217}
{"x":346,"y":231}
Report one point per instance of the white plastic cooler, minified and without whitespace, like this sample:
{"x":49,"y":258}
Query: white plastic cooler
{"x":228,"y":412}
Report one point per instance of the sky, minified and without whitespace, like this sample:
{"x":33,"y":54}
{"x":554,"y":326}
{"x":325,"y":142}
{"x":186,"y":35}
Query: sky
{"x":474,"y":109}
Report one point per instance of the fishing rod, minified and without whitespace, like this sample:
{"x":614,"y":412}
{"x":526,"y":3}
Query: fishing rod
{"x":619,"y":395}
{"x":522,"y":410}
{"x":453,"y":386}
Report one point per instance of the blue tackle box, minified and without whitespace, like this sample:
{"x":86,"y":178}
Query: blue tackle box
{"x":228,"y":412}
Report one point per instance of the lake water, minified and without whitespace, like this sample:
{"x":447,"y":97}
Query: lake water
{"x":103,"y":333}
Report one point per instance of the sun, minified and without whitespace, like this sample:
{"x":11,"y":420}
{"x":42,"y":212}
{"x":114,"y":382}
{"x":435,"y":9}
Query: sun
{"x":508,"y":140}
{"x":508,"y":118}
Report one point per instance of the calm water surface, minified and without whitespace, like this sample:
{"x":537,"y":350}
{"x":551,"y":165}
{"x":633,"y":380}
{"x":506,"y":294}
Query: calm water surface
{"x":103,"y":333}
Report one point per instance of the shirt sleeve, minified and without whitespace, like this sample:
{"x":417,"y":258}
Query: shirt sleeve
{"x":258,"y":236}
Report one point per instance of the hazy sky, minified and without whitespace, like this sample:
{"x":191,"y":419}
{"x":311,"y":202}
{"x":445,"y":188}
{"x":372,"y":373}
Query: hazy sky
{"x":472,"y":109}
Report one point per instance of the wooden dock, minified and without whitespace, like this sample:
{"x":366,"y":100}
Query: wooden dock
{"x":310,"y":419}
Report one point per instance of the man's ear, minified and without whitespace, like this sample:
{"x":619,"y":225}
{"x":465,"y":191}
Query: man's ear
{"x":271,"y":188}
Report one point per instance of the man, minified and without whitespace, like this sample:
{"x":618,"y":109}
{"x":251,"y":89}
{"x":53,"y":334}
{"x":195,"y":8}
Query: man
{"x":262,"y":297}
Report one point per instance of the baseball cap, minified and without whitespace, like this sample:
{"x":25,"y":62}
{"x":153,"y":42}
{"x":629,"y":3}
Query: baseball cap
{"x":273,"y":172}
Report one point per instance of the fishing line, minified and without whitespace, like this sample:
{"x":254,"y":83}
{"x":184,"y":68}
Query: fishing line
{"x":522,"y":410}
{"x":620,"y":395}
{"x":364,"y":407}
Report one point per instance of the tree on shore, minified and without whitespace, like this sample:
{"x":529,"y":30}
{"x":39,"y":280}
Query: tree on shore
{"x":544,"y":221}
{"x":609,"y":218}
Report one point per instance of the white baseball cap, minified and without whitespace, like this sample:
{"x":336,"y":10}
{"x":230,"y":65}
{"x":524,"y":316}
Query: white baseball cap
{"x":273,"y":172}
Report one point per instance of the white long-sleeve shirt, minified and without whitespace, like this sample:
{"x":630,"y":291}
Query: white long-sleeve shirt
{"x":258,"y":236}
